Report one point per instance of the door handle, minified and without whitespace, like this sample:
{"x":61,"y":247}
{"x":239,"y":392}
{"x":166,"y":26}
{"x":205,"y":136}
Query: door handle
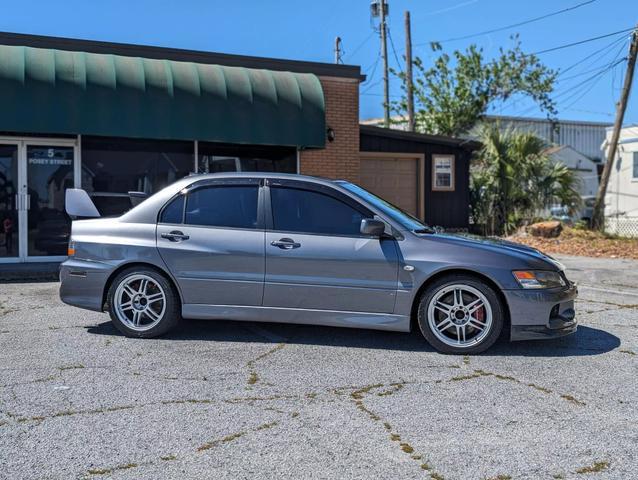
{"x":175,"y":236}
{"x":285,"y":243}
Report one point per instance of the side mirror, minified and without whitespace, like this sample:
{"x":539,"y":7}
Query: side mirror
{"x":77,"y":203}
{"x":372,"y":227}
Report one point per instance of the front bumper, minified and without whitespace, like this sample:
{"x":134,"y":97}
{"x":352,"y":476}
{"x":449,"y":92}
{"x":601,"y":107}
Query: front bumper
{"x":541,"y":314}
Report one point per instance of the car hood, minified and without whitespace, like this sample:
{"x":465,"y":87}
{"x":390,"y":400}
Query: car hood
{"x":498,"y":246}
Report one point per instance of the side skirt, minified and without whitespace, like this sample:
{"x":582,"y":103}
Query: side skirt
{"x":329,"y":318}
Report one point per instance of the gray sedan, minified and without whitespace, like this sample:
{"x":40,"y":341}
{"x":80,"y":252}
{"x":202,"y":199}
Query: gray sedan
{"x":296,"y":249}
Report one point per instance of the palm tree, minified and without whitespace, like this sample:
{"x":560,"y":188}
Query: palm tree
{"x":513,"y":180}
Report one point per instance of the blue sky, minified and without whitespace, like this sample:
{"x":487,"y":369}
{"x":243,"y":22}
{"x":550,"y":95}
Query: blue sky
{"x":305,"y":30}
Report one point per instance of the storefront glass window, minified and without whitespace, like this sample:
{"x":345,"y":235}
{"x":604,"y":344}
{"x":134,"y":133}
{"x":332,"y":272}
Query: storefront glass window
{"x":112,"y":167}
{"x":241,"y":158}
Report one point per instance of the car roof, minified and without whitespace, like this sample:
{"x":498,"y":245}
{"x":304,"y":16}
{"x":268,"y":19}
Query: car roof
{"x":289,"y":176}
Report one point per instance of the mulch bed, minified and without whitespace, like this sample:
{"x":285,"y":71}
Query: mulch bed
{"x":582,"y":242}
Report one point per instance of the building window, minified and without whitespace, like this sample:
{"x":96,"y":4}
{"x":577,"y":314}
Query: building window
{"x":443,"y":172}
{"x":112,"y":167}
{"x":635,"y":165}
{"x":215,"y":157}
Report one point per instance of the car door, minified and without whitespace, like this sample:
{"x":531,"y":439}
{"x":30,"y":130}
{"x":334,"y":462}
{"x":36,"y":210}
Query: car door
{"x":316,"y":257}
{"x":212,"y":240}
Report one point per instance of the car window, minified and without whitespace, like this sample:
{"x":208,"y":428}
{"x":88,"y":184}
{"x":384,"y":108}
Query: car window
{"x":395,"y":213}
{"x":222,"y":206}
{"x":174,"y":211}
{"x":305,"y":211}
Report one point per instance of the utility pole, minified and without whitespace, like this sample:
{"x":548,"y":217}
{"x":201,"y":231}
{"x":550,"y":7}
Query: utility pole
{"x":599,"y":207}
{"x":338,"y":50}
{"x":408,"y":72}
{"x":384,"y":53}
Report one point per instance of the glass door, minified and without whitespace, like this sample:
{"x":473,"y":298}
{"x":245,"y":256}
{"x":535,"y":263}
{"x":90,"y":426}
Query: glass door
{"x":50,"y":170}
{"x":9,"y":202}
{"x":34,"y":176}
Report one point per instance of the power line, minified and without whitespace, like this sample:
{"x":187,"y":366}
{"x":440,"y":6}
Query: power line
{"x":365,"y":40}
{"x":514,"y":25}
{"x":394,"y":51}
{"x":588,"y":89}
{"x":595,"y":69}
{"x":611,"y":67}
{"x":371,"y":86}
{"x":374,"y":69}
{"x":606,"y":114}
{"x":379,"y":95}
{"x":573,"y":90}
{"x":580,"y":42}
{"x":577,"y":89}
{"x":607,"y":47}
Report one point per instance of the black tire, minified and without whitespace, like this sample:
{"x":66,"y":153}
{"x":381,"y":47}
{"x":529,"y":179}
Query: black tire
{"x":494,"y":330}
{"x":171,"y":313}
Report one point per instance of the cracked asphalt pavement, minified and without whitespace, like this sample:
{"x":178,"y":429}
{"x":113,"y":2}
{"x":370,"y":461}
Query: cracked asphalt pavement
{"x":231,"y":400}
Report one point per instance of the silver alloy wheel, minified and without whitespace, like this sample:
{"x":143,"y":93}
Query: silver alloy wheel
{"x":460,"y":315}
{"x":140,"y":302}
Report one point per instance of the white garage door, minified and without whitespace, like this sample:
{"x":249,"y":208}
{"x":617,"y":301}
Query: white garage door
{"x":393,"y":179}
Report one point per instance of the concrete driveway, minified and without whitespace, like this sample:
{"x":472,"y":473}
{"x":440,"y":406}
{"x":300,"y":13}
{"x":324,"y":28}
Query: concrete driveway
{"x":228,"y":400}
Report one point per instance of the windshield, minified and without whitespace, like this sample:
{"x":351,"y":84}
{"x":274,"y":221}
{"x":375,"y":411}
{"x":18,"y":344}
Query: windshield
{"x":395,"y":213}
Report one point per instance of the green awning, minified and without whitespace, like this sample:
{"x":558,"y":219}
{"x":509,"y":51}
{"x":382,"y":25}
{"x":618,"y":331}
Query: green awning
{"x":62,"y":92}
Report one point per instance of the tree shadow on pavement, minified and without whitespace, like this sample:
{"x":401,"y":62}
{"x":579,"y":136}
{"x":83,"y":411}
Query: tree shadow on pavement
{"x":586,"y":341}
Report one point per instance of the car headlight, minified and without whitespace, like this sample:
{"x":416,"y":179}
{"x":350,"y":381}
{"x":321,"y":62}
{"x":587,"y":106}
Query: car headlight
{"x":539,"y":279}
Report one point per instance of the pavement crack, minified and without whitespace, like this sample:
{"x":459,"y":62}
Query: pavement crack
{"x":253,"y":375}
{"x":71,"y":367}
{"x":234,"y":436}
{"x":594,"y":468}
{"x":482,"y":373}
{"x":627,"y":352}
{"x":265,"y":398}
{"x":173,"y":457}
{"x":107,"y":471}
{"x":631,"y":306}
{"x":358,"y":396}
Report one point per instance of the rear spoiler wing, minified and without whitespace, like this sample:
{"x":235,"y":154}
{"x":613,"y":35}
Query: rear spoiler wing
{"x":78,"y":203}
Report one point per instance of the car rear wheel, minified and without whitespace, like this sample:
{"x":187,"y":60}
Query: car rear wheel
{"x":143,"y":303}
{"x":460,"y":314}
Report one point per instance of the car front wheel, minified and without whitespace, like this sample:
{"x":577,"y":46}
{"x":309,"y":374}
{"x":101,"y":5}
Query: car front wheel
{"x":143,"y":303}
{"x":460,"y":314}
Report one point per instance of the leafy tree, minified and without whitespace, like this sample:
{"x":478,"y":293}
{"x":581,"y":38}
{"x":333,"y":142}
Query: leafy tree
{"x":452,"y":95}
{"x":513,"y":180}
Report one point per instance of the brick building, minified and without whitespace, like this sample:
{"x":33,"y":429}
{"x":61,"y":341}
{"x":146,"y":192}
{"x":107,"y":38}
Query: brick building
{"x":114,"y":118}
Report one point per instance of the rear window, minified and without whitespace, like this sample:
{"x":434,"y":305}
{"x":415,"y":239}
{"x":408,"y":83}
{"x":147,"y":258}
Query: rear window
{"x":223,"y":206}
